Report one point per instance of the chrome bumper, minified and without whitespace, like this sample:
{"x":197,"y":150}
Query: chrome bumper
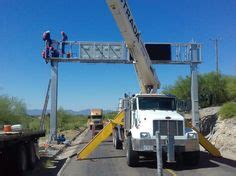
{"x":149,"y":145}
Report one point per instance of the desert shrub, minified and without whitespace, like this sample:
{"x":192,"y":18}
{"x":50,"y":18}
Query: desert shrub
{"x":13,"y":111}
{"x":213,"y":89}
{"x":228,"y":110}
{"x":230,"y":87}
{"x":110,"y":115}
{"x":67,"y":121}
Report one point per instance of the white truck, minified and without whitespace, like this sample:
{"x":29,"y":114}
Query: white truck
{"x":148,"y":112}
{"x":144,"y":115}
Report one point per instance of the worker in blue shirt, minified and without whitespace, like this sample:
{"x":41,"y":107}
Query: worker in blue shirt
{"x":64,"y":38}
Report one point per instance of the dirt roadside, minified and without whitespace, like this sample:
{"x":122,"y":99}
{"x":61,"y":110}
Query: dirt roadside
{"x":222,"y":133}
{"x":51,"y":160}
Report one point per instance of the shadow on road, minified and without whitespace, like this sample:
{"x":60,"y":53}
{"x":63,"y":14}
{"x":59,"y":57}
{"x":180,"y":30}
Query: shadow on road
{"x":103,"y":157}
{"x":47,"y":167}
{"x":206,"y":161}
{"x":107,"y":142}
{"x":225,"y":161}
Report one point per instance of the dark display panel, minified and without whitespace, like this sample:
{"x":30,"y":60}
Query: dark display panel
{"x":158,"y":51}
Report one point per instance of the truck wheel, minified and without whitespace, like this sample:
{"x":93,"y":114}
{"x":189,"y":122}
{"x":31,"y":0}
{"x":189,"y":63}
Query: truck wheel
{"x":131,"y":156}
{"x":32,"y":159}
{"x":22,"y":159}
{"x":117,"y":141}
{"x":191,"y":158}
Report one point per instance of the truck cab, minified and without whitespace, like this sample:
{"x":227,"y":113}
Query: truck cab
{"x":151,"y":113}
{"x":148,"y":113}
{"x":95,"y":119}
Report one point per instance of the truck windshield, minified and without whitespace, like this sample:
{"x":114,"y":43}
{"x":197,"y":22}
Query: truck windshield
{"x":96,"y":117}
{"x":157,"y":103}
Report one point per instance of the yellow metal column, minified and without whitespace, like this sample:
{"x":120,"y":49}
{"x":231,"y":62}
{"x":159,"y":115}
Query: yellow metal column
{"x":101,"y":136}
{"x":205,"y":143}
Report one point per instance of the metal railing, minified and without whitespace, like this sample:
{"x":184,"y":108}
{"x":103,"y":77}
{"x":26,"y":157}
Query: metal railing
{"x":117,"y":52}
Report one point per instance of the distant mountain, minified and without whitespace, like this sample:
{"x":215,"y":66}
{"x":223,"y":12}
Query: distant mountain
{"x":34,"y":112}
{"x":38,"y":112}
{"x":84,"y":112}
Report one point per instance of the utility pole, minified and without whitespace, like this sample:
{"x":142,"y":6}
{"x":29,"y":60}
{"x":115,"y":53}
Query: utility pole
{"x":217,"y":92}
{"x":216,"y":43}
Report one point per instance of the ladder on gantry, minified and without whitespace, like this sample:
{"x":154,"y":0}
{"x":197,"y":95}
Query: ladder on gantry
{"x":43,"y":115}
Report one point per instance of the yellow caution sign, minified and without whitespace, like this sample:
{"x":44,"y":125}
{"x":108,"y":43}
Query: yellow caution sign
{"x":101,"y":136}
{"x":205,"y":143}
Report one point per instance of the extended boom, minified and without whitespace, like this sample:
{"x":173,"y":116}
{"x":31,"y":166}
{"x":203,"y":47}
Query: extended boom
{"x":148,"y":80}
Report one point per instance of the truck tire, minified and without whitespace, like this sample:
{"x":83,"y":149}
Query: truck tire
{"x":191,"y":158}
{"x":117,"y":141}
{"x":32,"y":158}
{"x":131,"y":156}
{"x":22,"y":163}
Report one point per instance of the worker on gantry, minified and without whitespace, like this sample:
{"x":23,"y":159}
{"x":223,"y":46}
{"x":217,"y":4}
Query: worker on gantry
{"x":64,"y":38}
{"x":52,"y":46}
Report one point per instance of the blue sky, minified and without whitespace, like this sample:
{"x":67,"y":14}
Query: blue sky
{"x":25,"y":75}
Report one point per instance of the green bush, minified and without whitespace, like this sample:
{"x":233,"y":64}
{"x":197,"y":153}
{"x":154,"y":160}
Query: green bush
{"x":67,"y":121}
{"x":181,"y":88}
{"x":228,"y":110}
{"x":214,"y":89}
{"x":230,"y":87}
{"x":34,"y":124}
{"x":110,"y":115}
{"x":13,"y":111}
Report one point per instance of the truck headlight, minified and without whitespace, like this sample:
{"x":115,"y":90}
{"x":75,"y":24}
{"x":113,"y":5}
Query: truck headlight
{"x":192,"y":135}
{"x":145,"y":135}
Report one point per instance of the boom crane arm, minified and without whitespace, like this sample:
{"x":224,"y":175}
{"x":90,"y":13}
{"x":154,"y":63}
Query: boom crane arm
{"x":148,"y":80}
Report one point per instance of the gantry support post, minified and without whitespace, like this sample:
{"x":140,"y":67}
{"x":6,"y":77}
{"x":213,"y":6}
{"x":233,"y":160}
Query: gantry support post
{"x":195,"y":55}
{"x":54,"y":90}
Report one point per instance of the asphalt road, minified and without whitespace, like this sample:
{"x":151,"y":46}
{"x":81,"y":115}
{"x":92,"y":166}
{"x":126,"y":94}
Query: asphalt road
{"x":107,"y":161}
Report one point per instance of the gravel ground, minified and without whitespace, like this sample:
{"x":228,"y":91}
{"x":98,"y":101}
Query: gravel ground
{"x":222,"y":133}
{"x":54,"y":156}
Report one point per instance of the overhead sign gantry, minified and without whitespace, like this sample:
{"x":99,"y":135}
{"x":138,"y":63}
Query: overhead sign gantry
{"x":118,"y":53}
